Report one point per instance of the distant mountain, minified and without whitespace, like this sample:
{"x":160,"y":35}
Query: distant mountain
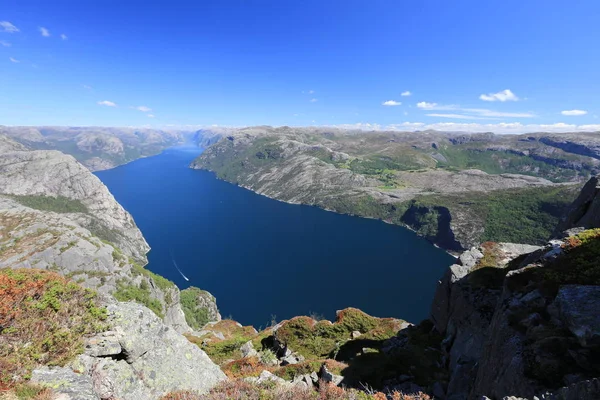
{"x":98,"y":148}
{"x":456,"y":189}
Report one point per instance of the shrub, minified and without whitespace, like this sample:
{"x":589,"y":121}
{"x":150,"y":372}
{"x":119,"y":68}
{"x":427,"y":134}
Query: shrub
{"x":43,"y":318}
{"x":140,"y":294}
{"x":195,"y":316}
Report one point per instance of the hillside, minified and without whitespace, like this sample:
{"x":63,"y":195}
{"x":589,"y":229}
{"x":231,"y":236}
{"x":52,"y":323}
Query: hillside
{"x":97,"y":148}
{"x":420,"y":179}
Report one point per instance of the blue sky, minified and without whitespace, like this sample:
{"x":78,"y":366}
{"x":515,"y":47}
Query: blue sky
{"x":497,"y":65}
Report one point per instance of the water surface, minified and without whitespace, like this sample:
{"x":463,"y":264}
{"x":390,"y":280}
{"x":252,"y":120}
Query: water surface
{"x":265,"y":259}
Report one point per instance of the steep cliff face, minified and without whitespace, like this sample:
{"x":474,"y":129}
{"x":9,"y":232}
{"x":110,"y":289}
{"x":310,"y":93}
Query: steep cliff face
{"x":585,"y":211}
{"x":56,"y":215}
{"x":54,"y":174}
{"x":520,"y":321}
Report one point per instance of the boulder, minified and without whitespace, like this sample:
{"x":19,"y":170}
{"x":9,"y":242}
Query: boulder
{"x":65,"y":382}
{"x":153,"y":360}
{"x":247,"y":349}
{"x":578,"y":307}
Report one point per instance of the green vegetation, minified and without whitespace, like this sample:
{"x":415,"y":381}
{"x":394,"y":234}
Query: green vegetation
{"x":98,"y":229}
{"x":471,"y":156}
{"x":580,"y":262}
{"x":195,"y":316}
{"x":140,"y":294}
{"x":518,"y":215}
{"x":322,"y":339}
{"x":43,"y":319}
{"x":228,"y":348}
{"x":57,"y":204}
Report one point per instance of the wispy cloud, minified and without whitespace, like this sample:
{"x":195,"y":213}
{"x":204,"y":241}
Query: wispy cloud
{"x":14,"y":60}
{"x":573,"y":113}
{"x":308,"y":92}
{"x":45,"y":32}
{"x":4,"y":43}
{"x":499,"y":128}
{"x":8,"y":27}
{"x":504,"y":95}
{"x":63,"y":36}
{"x":107,"y":103}
{"x":143,"y":109}
{"x":457,"y":116}
{"x":473,"y":113}
{"x":313,"y":100}
{"x":151,"y":115}
{"x":391,"y":103}
{"x":406,"y":93}
{"x":88,"y":87}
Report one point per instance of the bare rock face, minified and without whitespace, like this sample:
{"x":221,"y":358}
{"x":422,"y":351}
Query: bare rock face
{"x":585,"y":210}
{"x":51,"y":173}
{"x":139,"y":358}
{"x":96,"y":243}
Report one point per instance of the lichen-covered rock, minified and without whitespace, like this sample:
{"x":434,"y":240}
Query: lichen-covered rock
{"x":154,"y":358}
{"x":65,"y":382}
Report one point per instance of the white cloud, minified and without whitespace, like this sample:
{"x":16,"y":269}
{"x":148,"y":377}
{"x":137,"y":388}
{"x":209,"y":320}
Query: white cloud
{"x":407,"y":93}
{"x":143,"y":108}
{"x":313,"y":100}
{"x":45,"y":32}
{"x":4,"y":43}
{"x":8,"y":27}
{"x":427,"y":106}
{"x":456,"y":116}
{"x":14,"y":60}
{"x":504,"y":95}
{"x":107,"y":103}
{"x":573,"y":113}
{"x":88,"y":87}
{"x":63,"y":36}
{"x":151,"y":115}
{"x":311,"y":91}
{"x":391,"y":103}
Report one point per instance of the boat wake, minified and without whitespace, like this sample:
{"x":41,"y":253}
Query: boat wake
{"x":177,"y":267}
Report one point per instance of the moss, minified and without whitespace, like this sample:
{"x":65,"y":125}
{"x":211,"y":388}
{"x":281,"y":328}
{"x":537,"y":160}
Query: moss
{"x":43,"y":319}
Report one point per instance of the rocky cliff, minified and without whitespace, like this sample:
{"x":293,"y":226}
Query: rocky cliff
{"x":55,"y":215}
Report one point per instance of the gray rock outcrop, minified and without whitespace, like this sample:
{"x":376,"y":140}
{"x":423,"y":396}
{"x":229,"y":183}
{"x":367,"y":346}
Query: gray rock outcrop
{"x":138,"y":358}
{"x":585,"y":210}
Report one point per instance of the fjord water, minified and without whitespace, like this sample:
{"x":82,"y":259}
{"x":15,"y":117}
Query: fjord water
{"x":265,"y":259}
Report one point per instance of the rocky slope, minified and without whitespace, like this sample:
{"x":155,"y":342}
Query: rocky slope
{"x":98,"y":148}
{"x":57,"y":216}
{"x":397,"y":175}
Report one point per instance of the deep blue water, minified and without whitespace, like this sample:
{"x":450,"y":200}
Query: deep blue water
{"x":264,"y":258}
